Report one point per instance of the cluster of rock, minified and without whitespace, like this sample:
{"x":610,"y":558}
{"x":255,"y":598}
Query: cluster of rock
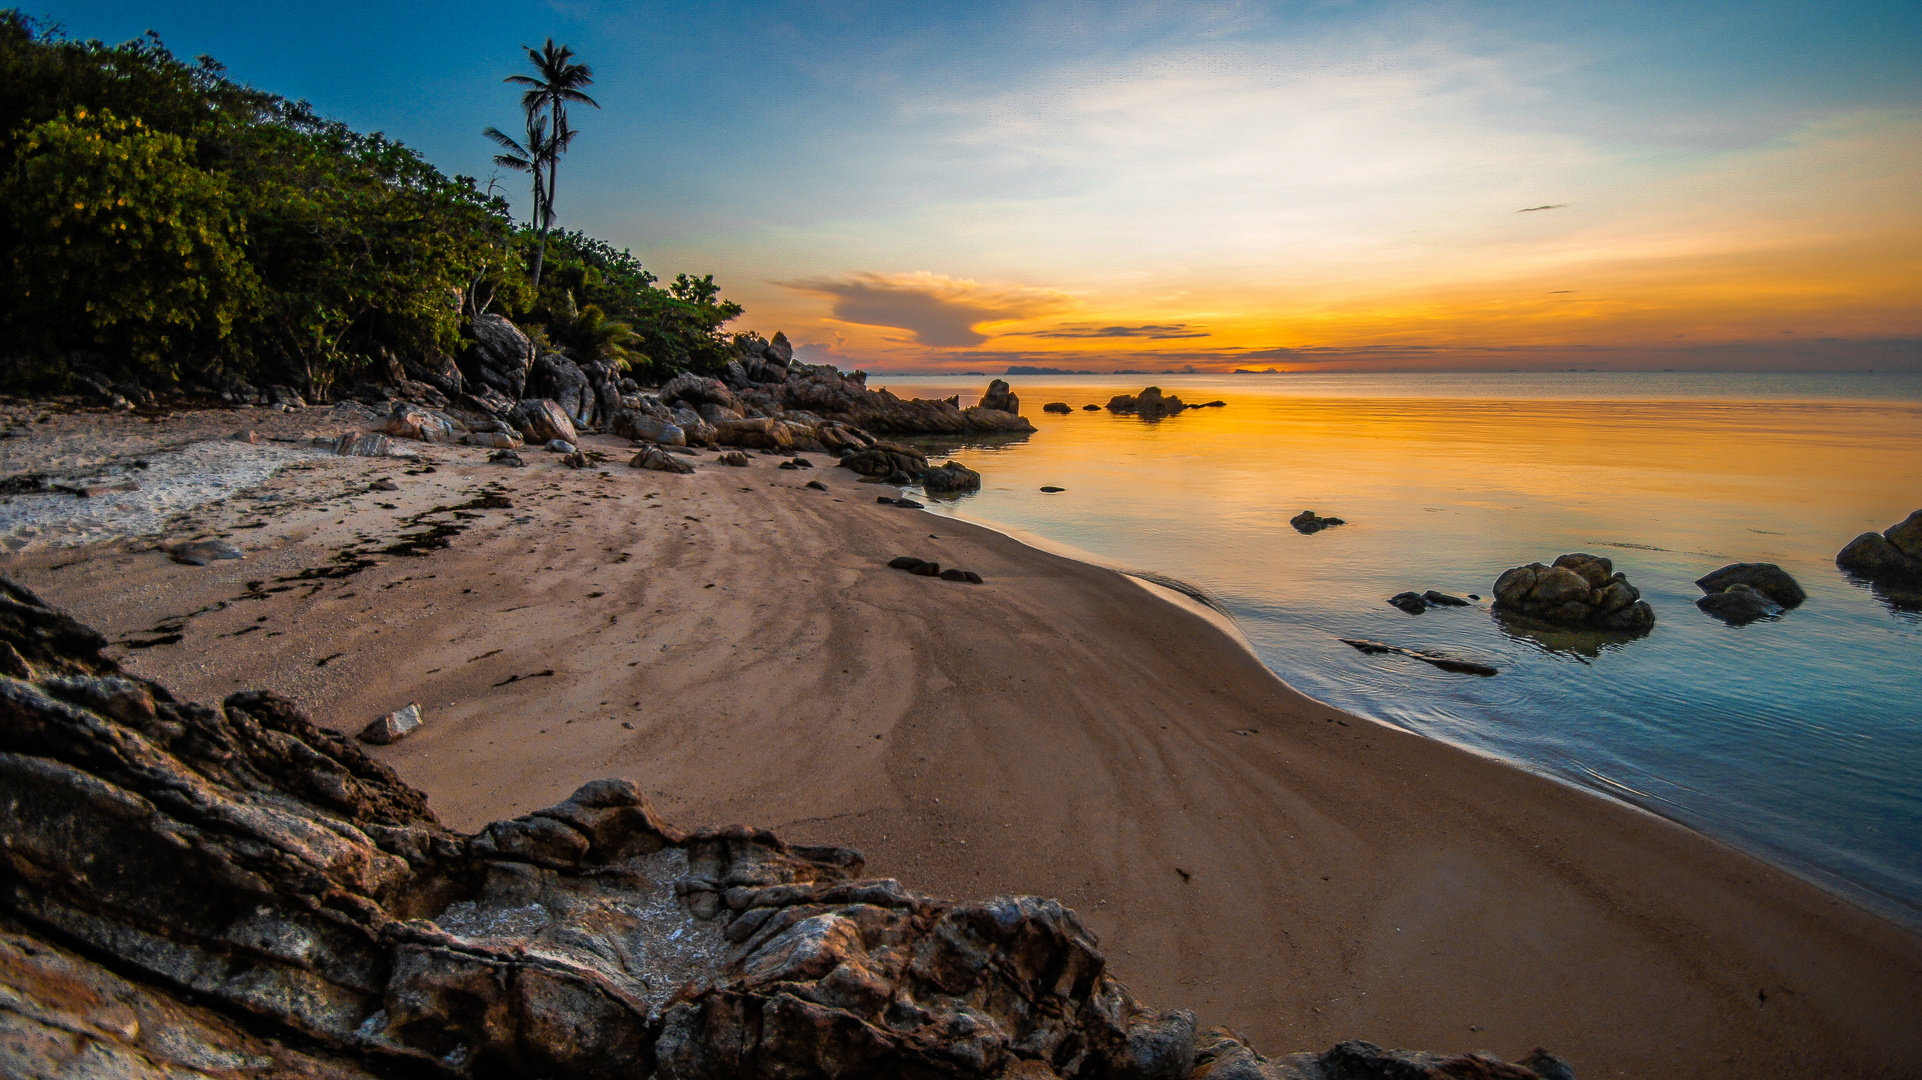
{"x":1579,"y":590}
{"x":895,"y":464}
{"x":197,"y":892}
{"x":1890,"y":556}
{"x":926,"y":568}
{"x":1152,"y":404}
{"x":1309,"y":523}
{"x":1415,"y":603}
{"x":1741,"y":593}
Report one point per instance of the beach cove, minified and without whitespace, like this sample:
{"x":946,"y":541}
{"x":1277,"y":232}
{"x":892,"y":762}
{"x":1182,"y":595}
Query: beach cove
{"x":1290,"y":870}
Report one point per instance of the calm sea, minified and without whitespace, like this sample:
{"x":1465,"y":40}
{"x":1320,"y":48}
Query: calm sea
{"x":1798,"y":739}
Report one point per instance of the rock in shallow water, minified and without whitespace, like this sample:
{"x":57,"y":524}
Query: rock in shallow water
{"x":1766,"y":578}
{"x":1579,"y":590}
{"x":1308,"y":522}
{"x":1739,"y":604}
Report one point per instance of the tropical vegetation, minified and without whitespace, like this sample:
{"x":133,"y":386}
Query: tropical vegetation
{"x":165,"y":224}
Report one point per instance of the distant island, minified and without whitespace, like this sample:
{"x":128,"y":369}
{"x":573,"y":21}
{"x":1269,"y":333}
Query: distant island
{"x":1251,"y":371}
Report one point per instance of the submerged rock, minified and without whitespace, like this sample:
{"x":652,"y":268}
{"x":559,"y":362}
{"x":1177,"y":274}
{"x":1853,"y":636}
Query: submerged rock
{"x":1766,"y":578}
{"x":1150,"y":404}
{"x":1411,"y":602}
{"x":1739,"y":604}
{"x":1057,"y":407}
{"x":1578,"y":590}
{"x":950,"y":477}
{"x":1891,"y":560}
{"x":255,"y":882}
{"x":1308,"y":522}
{"x":1440,"y":660}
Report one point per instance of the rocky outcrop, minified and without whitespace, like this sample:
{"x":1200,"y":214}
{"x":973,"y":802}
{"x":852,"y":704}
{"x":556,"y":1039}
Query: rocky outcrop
{"x":1579,"y":590}
{"x":1000,"y":398}
{"x":1150,"y":404}
{"x":1309,"y":523}
{"x":1057,"y":407}
{"x":1741,"y":593}
{"x":236,"y":881}
{"x":541,"y":421}
{"x":951,"y":477}
{"x":499,"y":357}
{"x":1895,"y":554}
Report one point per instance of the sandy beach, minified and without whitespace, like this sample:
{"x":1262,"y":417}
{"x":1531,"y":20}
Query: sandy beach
{"x":734,"y":642}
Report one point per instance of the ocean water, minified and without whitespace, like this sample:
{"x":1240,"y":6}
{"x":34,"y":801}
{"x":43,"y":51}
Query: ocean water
{"x":1797,"y":738}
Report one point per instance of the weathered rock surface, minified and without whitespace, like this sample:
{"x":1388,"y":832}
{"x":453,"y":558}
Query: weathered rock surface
{"x":1150,"y":404}
{"x":1057,"y":407}
{"x":1000,"y":398}
{"x":887,"y":459}
{"x":1892,"y":559}
{"x":950,"y":477}
{"x":1578,"y":590}
{"x":1309,"y":523}
{"x":653,"y":457}
{"x":541,"y":420}
{"x":407,"y":421}
{"x":1766,"y":578}
{"x":498,"y":359}
{"x":258,"y":883}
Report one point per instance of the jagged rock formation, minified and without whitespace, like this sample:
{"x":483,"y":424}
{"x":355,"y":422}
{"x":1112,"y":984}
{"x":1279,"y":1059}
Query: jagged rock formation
{"x":234,"y":892}
{"x":1580,"y":590}
{"x":1150,"y":404}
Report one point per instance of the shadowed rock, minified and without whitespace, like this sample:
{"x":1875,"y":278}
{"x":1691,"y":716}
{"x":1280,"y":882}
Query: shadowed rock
{"x":245,"y":882}
{"x":1766,"y":578}
{"x":1578,"y":590}
{"x":1891,"y":559}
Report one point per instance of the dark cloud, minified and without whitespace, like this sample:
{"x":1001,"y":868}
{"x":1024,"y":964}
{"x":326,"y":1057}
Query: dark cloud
{"x":1151,"y":331}
{"x":1532,"y":209}
{"x":938,"y":311}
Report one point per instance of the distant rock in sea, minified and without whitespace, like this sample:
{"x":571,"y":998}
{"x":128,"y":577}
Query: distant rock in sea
{"x":1579,"y":590}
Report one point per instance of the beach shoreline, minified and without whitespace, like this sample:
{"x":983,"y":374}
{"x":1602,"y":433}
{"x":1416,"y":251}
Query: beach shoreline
{"x":1291,"y":871}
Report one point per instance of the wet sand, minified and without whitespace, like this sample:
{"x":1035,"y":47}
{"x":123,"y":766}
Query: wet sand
{"x":735,"y":643}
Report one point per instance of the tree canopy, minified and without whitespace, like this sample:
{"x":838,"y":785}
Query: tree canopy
{"x":160,"y":220}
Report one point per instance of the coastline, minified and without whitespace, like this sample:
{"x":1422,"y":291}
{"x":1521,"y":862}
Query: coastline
{"x":1054,"y":731}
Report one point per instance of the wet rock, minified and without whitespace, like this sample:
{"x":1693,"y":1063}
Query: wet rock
{"x":1411,"y":602}
{"x":1000,"y":398}
{"x":950,"y":477}
{"x":393,"y":727}
{"x":505,"y":457}
{"x":1440,"y":660}
{"x":203,"y":552}
{"x":1308,"y":522}
{"x":1739,"y":605}
{"x":1149,"y":404}
{"x":1442,"y":599}
{"x":905,"y":504}
{"x":1891,"y":560}
{"x":1057,"y":407}
{"x":734,"y":458}
{"x":1579,"y":590}
{"x":659,"y":460}
{"x":1766,"y":578}
{"x":541,"y":420}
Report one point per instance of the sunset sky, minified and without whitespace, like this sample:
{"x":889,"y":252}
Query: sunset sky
{"x":935,"y":186}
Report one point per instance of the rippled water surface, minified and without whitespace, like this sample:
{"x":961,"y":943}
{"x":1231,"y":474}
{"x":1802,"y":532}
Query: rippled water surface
{"x":1798,"y":738}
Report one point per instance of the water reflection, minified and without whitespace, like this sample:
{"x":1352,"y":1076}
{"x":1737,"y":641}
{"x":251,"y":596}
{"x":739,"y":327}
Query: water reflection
{"x":1796,"y":737}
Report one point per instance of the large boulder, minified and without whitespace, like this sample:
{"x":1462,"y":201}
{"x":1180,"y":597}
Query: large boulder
{"x":779,"y":351}
{"x":951,"y":477}
{"x":542,"y":420}
{"x":1896,"y":552}
{"x":1000,"y":398}
{"x":759,"y":433}
{"x":1579,"y":590}
{"x":887,"y":459}
{"x":499,"y":357}
{"x":412,"y":422}
{"x":1766,"y":578}
{"x":561,"y":380}
{"x":642,"y":427}
{"x":1739,"y":604}
{"x":696,"y":390}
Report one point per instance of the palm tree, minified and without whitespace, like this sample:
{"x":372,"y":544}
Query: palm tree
{"x":556,"y":83}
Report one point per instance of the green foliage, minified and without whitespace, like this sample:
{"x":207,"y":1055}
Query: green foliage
{"x":120,"y":241}
{"x":166,"y":219}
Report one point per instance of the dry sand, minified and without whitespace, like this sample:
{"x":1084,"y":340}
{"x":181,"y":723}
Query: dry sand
{"x":734,"y":642}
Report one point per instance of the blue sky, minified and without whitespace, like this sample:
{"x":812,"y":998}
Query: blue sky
{"x":936,"y":185}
